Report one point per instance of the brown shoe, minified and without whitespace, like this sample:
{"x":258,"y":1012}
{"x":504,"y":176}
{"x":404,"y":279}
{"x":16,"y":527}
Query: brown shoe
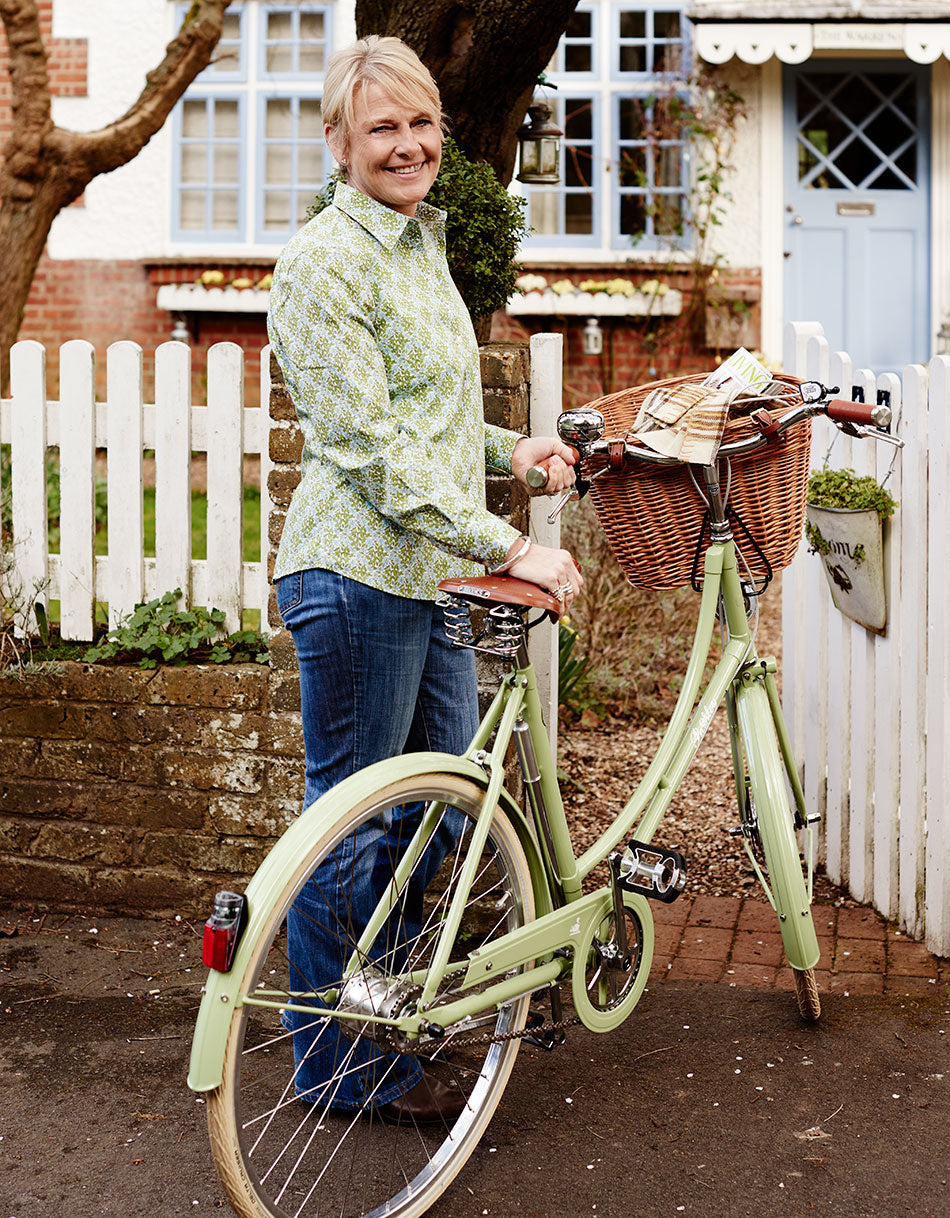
{"x":429,"y":1102}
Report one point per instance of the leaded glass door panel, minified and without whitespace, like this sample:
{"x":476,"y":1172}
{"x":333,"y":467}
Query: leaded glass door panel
{"x":857,"y":206}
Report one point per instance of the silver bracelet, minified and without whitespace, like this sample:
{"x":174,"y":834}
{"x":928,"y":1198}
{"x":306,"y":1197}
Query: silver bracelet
{"x":521,"y":551}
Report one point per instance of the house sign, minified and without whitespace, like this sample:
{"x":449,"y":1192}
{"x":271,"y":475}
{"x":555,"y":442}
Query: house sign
{"x":795,"y":41}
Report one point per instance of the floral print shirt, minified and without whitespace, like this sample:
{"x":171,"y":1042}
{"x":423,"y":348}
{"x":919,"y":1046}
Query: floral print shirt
{"x":378,"y":353}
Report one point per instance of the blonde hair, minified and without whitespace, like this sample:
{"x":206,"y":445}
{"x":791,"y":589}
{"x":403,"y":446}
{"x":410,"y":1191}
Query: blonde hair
{"x":387,"y":62}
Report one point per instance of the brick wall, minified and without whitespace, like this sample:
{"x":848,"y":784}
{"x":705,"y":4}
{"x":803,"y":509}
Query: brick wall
{"x":105,"y":301}
{"x":145,"y":792}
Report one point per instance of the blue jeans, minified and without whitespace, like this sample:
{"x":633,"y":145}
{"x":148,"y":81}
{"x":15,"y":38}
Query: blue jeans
{"x":377,"y":678}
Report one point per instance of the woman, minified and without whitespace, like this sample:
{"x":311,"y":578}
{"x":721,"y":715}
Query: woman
{"x":379,"y":355}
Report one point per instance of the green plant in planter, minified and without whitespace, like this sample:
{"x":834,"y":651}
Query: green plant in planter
{"x":160,"y":632}
{"x":484,"y":227}
{"x":843,"y":488}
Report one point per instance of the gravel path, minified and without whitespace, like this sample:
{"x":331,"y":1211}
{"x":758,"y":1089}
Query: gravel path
{"x":601,"y":766}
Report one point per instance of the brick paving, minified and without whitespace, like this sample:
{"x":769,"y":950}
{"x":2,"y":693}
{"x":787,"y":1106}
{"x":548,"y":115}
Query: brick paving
{"x":735,"y":941}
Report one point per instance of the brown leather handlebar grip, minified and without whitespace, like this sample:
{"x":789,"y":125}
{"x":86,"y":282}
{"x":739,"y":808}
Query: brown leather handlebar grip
{"x":843,"y":411}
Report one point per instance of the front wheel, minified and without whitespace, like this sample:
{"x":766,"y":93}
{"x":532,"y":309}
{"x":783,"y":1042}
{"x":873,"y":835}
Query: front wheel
{"x":298,"y":1123}
{"x":770,"y":830}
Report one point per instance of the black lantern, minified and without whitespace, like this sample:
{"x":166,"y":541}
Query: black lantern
{"x":540,"y":143}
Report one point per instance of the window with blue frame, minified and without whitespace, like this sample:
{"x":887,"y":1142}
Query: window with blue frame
{"x":618,"y":70}
{"x":249,"y":148}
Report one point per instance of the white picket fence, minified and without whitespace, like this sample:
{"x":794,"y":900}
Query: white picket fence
{"x":125,"y":427}
{"x":870,"y":714}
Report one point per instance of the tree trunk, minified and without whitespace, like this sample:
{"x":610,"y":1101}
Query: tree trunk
{"x":486,"y":56}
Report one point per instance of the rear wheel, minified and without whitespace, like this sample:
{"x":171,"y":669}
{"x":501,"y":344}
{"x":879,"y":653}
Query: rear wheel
{"x":770,"y":830}
{"x":295,"y":1126}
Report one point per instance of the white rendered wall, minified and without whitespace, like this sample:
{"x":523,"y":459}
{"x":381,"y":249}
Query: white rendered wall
{"x":126,"y":213}
{"x":737,"y":240}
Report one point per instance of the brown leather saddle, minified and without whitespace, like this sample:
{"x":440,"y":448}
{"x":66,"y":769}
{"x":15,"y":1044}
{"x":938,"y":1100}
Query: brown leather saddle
{"x":502,"y":590}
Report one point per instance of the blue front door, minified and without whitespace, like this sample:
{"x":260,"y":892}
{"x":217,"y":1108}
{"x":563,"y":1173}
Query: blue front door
{"x":857,"y":217}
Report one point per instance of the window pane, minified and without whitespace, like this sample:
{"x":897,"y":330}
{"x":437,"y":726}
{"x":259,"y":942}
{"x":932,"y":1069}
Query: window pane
{"x":231,"y":27}
{"x":577,"y":58}
{"x":668,"y":215}
{"x":311,"y":27}
{"x":280,"y":58}
{"x":542,"y":212}
{"x":666,"y":25}
{"x":577,"y":167}
{"x":225,"y":164}
{"x":310,"y":163}
{"x":224,"y":209}
{"x":310,"y":119}
{"x":278,"y":122}
{"x":578,"y":119}
{"x":311,"y":59}
{"x":193,"y":209}
{"x":579,"y":26}
{"x":632,"y":126}
{"x":225,"y":119}
{"x":194,"y":120}
{"x":278,"y":165}
{"x":633,"y":214}
{"x":280,"y":25}
{"x":194,"y":163}
{"x":304,"y":200}
{"x":633,"y":25}
{"x":633,"y":59}
{"x":633,"y":166}
{"x":578,"y":214}
{"x":276,"y":211}
{"x":669,"y":165}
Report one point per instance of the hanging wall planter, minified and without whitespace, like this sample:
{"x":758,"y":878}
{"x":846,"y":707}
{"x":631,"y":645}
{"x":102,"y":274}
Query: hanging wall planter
{"x":845,"y":518}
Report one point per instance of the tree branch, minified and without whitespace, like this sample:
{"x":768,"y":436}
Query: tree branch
{"x":187,"y":54}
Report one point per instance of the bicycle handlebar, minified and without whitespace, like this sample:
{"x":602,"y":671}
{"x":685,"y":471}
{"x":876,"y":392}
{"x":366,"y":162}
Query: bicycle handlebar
{"x":859,"y":418}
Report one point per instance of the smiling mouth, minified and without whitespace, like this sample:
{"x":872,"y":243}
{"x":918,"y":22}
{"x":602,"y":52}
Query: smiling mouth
{"x":404,"y":171}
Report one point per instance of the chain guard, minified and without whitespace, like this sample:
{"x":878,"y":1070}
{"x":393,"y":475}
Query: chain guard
{"x":603,"y":988}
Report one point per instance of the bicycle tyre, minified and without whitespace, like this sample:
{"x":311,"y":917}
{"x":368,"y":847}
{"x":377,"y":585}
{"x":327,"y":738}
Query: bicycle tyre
{"x":278,"y":1155}
{"x":806,"y":991}
{"x":770,"y":823}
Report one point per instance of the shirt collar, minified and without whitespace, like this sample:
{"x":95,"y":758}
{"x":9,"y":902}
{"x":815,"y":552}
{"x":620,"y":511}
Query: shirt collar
{"x":380,"y":221}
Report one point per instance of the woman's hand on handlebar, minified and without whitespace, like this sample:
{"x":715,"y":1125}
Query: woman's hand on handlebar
{"x":553,"y":570}
{"x":550,"y":453}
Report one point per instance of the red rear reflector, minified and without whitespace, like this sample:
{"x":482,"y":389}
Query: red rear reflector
{"x":223,"y":930}
{"x":214,"y":947}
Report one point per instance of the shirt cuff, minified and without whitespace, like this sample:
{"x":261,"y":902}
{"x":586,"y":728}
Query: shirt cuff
{"x":499,"y":445}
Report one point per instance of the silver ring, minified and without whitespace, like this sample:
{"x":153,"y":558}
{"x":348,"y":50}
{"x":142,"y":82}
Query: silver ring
{"x":563,"y":590}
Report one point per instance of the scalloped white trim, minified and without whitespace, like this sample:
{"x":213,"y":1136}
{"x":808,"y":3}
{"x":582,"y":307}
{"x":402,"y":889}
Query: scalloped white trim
{"x":193,"y":298}
{"x":595,"y":304}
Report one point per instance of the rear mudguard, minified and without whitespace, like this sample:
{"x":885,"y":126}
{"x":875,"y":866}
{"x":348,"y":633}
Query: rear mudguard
{"x":221,"y":998}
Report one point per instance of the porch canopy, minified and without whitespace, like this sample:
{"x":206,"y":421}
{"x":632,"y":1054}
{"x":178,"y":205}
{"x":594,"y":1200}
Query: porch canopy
{"x":793,"y":30}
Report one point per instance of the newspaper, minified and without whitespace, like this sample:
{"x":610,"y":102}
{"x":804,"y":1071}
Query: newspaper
{"x":686,"y":421}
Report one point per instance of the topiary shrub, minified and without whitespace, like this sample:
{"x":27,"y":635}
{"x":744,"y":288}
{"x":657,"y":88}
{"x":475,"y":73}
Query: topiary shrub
{"x":484,"y":228}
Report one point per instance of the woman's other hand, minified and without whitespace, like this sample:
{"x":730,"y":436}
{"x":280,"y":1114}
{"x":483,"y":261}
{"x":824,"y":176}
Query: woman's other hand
{"x":553,"y":570}
{"x":557,"y":459}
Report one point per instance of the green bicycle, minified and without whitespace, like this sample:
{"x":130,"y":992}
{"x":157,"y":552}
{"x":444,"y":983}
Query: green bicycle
{"x":473,"y":947}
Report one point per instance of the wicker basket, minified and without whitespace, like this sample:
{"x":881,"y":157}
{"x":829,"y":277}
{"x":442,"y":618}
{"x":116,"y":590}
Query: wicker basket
{"x":653,"y":515}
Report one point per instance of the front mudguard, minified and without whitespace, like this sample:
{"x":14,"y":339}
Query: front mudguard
{"x":222,"y":993}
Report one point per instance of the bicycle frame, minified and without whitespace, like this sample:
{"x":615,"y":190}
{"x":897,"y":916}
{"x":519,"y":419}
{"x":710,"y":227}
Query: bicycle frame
{"x":517,"y":704}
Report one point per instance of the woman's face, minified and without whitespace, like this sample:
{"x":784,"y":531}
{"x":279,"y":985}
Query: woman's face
{"x":393,"y":152}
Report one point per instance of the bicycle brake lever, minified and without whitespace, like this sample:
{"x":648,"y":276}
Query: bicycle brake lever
{"x":870,"y":433}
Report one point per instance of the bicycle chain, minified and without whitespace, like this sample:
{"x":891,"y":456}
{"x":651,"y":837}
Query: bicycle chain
{"x":489,"y":1038}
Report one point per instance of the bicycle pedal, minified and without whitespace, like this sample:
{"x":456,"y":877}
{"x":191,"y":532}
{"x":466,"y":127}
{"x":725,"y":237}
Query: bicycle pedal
{"x":548,"y":1039}
{"x":653,"y":871}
